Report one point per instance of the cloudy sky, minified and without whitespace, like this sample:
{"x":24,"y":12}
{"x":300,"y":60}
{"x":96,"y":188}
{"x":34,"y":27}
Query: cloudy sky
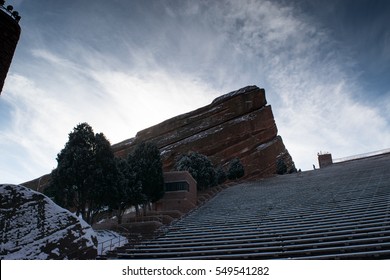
{"x":124,"y":65}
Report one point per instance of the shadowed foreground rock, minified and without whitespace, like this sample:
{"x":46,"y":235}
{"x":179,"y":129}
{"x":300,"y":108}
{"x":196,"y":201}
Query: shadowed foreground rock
{"x":34,"y":227}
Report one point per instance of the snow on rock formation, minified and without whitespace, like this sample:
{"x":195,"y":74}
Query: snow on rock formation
{"x":34,"y":227}
{"x":239,"y":124}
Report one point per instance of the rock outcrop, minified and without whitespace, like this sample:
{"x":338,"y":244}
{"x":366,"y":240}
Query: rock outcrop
{"x":239,"y":124}
{"x":34,"y":227}
{"x":9,"y":37}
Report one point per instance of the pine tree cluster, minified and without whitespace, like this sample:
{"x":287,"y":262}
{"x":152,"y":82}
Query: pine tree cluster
{"x":90,"y":179}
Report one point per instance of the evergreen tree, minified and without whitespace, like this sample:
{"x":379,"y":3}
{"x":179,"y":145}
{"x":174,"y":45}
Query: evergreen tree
{"x":200,"y":167}
{"x":84,"y":172}
{"x":147,"y":163}
{"x":221,"y":175}
{"x":104,"y":177}
{"x":127,"y":191}
{"x":281,"y":167}
{"x":236,"y":169}
{"x":293,"y":169}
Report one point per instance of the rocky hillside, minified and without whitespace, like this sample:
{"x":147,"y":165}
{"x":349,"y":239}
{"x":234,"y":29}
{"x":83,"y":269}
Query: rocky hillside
{"x":239,"y":124}
{"x":34,"y":227}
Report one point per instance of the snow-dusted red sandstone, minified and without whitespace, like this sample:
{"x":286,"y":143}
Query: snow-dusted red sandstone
{"x":239,"y":124}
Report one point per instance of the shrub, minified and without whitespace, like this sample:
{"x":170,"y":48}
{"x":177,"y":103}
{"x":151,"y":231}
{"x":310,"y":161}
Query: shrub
{"x":236,"y":169}
{"x":281,"y":167}
{"x":221,"y":175}
{"x":200,"y":167}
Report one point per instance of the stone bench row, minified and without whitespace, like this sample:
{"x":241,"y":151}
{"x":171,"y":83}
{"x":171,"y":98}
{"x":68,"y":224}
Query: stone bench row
{"x":278,"y":217}
{"x":343,"y":234}
{"x":259,"y":225}
{"x":323,"y":207}
{"x":263,"y":252}
{"x":272,"y":240}
{"x":277,"y":245}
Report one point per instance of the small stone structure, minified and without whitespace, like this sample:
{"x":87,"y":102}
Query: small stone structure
{"x":180,"y":192}
{"x":324,"y":159}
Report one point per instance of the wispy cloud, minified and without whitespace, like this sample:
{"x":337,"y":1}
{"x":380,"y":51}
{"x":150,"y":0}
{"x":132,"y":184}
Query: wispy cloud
{"x":116,"y":102}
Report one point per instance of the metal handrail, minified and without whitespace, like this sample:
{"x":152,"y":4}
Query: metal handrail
{"x":359,"y":156}
{"x":112,"y":244}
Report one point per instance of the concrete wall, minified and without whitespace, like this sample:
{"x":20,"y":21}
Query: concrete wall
{"x":182,"y":200}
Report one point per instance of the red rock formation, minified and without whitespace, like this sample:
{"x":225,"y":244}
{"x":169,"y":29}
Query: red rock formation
{"x":236,"y":125}
{"x":239,"y":124}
